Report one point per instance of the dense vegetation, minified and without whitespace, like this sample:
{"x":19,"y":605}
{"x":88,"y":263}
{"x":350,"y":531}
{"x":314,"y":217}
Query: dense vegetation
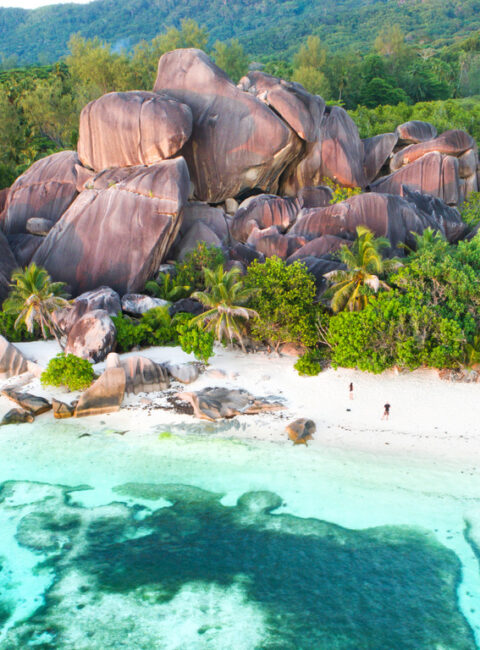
{"x":263,"y":28}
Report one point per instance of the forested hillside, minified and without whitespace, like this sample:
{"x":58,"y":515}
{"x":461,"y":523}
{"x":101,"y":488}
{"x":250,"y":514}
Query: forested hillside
{"x":264,"y":28}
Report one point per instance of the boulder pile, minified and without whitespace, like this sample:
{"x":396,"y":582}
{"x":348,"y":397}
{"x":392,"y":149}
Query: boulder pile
{"x":240,"y":167}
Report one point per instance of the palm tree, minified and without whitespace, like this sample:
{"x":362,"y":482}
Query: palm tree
{"x":225,"y":296}
{"x":364,"y":264}
{"x":429,"y":240}
{"x":34,"y":297}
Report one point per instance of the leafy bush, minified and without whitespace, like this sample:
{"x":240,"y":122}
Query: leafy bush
{"x":471,"y":210}
{"x":193,"y":339}
{"x":156,"y":325}
{"x":340,"y":193}
{"x":69,"y":371}
{"x":167,"y":288}
{"x":308,"y":364}
{"x":17,"y":334}
{"x":153,"y":328}
{"x":283,"y":296}
{"x":130,"y":333}
{"x":395,"y":329}
{"x":190,"y":272}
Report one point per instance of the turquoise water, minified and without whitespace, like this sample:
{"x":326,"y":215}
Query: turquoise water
{"x":136,"y":540}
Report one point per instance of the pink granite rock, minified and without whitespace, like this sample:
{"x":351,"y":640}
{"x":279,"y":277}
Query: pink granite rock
{"x":318,"y":247}
{"x":415,"y":131}
{"x":121,"y":129}
{"x":450,"y":143}
{"x":44,"y":191}
{"x":342,"y":149}
{"x":263,"y":211}
{"x":385,"y":215}
{"x":118,"y":237}
{"x":237,"y":142}
{"x":92,"y":337}
{"x":432,"y":174}
{"x":300,"y":109}
{"x":377,"y":151}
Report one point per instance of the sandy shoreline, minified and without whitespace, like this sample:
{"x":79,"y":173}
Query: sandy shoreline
{"x":430,"y":418}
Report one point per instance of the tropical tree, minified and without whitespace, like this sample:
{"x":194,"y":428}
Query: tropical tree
{"x":364,"y":264}
{"x":428,"y":240}
{"x":34,"y":297}
{"x":225,"y":296}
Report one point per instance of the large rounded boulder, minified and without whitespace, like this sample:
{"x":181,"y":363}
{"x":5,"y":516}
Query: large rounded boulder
{"x":237,"y":143}
{"x":92,"y":337}
{"x":433,"y":173}
{"x":44,"y":191}
{"x":122,"y":129}
{"x":377,"y":150}
{"x":118,"y":236}
{"x":342,"y":149}
{"x":415,"y":131}
{"x":450,"y":143}
{"x":301,"y":110}
{"x":386,"y":216}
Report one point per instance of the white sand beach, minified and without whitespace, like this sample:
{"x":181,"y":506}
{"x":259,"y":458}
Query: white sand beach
{"x":429,"y":417}
{"x":419,"y":469}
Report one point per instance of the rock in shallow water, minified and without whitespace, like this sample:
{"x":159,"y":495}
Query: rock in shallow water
{"x":17,"y":416}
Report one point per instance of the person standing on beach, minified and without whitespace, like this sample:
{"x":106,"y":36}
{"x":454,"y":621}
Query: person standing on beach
{"x":386,"y":411}
{"x":350,"y":390}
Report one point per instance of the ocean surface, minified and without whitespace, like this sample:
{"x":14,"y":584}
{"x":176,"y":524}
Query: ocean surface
{"x":189,"y":539}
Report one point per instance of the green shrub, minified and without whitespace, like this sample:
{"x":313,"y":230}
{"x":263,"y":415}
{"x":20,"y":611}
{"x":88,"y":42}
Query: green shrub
{"x":190,"y":271}
{"x":471,"y":210}
{"x":308,"y":364}
{"x":19,"y":334}
{"x":130,"y":333}
{"x":395,"y":329}
{"x":153,"y":328}
{"x":156,"y":325}
{"x":167,"y":288}
{"x":193,"y":339}
{"x":340,"y":193}
{"x":283,"y":296}
{"x":69,"y":371}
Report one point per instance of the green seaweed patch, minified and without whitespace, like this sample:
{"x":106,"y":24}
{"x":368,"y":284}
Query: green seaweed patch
{"x":320,"y":585}
{"x":317,"y":584}
{"x":166,"y":435}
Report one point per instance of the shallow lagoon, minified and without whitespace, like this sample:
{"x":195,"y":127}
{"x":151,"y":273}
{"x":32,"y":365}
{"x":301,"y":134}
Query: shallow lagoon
{"x":144,"y":540}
